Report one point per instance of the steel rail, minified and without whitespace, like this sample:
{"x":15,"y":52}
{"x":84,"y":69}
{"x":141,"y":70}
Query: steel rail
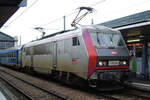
{"x":125,"y":93}
{"x":16,"y":88}
{"x":109,"y":97}
{"x":103,"y":94}
{"x":136,"y":88}
{"x":41,"y":88}
{"x":136,"y":95}
{"x":131,"y":87}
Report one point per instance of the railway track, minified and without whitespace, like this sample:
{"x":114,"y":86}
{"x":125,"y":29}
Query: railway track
{"x":19,"y":85}
{"x":69,"y":92}
{"x":127,"y":94}
{"x":137,"y":91}
{"x":124,"y":94}
{"x":25,"y":96}
{"x":100,"y":96}
{"x":137,"y":94}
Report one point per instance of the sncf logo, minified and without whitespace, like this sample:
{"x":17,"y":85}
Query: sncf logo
{"x":74,"y":61}
{"x":114,"y":52}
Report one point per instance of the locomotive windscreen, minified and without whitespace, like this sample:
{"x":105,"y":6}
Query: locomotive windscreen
{"x":107,"y":40}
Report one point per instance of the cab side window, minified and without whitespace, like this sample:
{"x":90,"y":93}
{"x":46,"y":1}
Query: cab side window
{"x":75,"y":41}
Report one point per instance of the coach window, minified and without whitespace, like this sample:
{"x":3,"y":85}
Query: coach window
{"x":14,"y":54}
{"x":75,"y":41}
{"x":11,"y":54}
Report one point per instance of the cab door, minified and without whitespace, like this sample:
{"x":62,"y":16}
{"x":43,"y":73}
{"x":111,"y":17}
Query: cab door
{"x":32,"y":54}
{"x":55,"y":55}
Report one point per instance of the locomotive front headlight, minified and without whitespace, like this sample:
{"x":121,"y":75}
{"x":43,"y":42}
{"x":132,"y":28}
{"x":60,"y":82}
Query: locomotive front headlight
{"x":100,"y":63}
{"x":124,"y":62}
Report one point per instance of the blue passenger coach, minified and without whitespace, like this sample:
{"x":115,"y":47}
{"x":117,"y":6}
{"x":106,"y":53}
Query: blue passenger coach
{"x":11,"y":56}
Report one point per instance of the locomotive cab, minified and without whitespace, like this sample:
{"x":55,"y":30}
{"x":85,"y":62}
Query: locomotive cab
{"x":109,"y":59}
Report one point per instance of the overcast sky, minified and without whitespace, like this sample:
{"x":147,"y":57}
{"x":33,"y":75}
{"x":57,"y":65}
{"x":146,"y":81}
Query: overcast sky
{"x":49,"y":15}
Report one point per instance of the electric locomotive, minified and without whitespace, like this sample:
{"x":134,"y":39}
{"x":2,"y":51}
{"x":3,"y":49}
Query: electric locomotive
{"x":91,"y":53}
{"x":94,"y":54}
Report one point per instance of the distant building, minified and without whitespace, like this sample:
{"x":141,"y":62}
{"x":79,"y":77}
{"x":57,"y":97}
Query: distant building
{"x":6,"y":41}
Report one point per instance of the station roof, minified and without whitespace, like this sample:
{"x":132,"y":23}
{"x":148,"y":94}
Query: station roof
{"x":7,"y":9}
{"x":4,"y":36}
{"x":134,"y":28}
{"x":143,"y":17}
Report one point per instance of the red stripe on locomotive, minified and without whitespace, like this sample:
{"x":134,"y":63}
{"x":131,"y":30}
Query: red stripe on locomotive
{"x":118,"y":67}
{"x":91,"y":52}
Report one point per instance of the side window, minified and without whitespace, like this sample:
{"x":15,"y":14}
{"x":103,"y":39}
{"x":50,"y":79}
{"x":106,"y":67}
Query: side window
{"x":75,"y":41}
{"x":28,"y":49}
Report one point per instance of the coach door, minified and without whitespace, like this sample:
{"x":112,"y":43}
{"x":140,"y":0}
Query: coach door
{"x":55,"y":55}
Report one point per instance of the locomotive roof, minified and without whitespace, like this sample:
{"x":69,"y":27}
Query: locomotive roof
{"x":51,"y":35}
{"x":100,"y":28}
{"x":59,"y":35}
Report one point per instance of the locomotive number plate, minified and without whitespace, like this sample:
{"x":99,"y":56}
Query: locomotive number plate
{"x":113,"y":63}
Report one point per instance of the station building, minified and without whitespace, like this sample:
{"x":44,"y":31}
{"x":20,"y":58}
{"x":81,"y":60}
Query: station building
{"x":6,"y":41}
{"x":136,"y":32}
{"x":7,"y":9}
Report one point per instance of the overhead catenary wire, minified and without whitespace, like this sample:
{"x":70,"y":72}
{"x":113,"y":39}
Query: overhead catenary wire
{"x":92,"y":5}
{"x":60,"y":18}
{"x":23,"y":12}
{"x":95,"y":4}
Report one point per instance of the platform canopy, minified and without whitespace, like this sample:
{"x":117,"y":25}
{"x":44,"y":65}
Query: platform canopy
{"x":135,"y":28}
{"x":8,"y":8}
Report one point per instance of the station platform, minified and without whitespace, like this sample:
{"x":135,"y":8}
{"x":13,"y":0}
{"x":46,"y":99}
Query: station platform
{"x":7,"y":92}
{"x":2,"y":96}
{"x":142,"y":81}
